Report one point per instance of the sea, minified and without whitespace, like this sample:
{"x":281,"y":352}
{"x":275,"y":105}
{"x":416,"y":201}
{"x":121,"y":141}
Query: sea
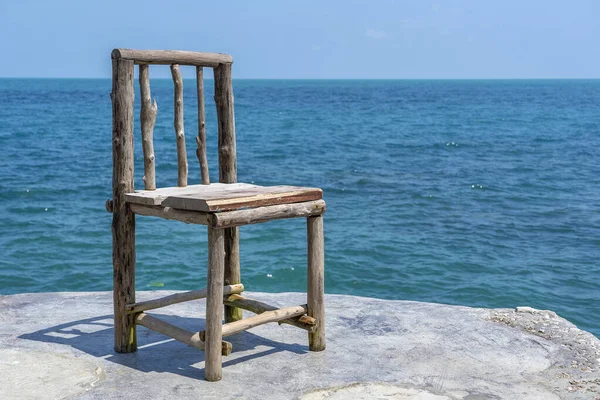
{"x":483,"y":193}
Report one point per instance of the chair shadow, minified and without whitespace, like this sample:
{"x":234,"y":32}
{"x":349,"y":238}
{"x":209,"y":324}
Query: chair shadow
{"x":156,"y":352}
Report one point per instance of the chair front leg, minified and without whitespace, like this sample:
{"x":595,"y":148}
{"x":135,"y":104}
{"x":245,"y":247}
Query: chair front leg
{"x":316,"y":281}
{"x":214,"y":305}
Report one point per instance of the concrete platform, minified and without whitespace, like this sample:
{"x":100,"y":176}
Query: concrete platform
{"x":59,"y":345}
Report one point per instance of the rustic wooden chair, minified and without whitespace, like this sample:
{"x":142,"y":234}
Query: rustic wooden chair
{"x":223,"y":207}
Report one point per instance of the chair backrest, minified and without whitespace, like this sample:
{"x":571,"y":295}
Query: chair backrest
{"x":123,"y":61}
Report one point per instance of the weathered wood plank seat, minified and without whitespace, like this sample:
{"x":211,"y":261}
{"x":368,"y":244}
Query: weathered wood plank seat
{"x":222,"y":206}
{"x":218,"y":197}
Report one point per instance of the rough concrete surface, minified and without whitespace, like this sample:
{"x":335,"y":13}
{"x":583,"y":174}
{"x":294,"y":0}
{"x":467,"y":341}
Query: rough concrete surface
{"x":60,"y":345}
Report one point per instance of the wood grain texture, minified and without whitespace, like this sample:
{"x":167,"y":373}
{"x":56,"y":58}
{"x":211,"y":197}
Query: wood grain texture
{"x":167,"y":57}
{"x":148,"y":112}
{"x":251,"y":198}
{"x":214,"y":304}
{"x":188,"y":217}
{"x":180,"y":334}
{"x":219,"y":197}
{"x":226,"y":124}
{"x":179,"y":298}
{"x":232,"y":268}
{"x":227,"y":169}
{"x":267,"y":213}
{"x":182,"y":164}
{"x":123,"y":223}
{"x":201,"y":138}
{"x":316,"y":282}
{"x":263,"y":318}
{"x":156,"y":197}
{"x":258,"y":307}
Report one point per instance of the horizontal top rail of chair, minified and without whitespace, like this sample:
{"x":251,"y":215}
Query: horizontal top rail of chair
{"x":167,"y":57}
{"x":180,"y":298}
{"x":218,"y":197}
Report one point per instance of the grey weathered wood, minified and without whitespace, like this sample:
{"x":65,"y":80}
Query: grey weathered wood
{"x":228,"y":199}
{"x":228,"y":170}
{"x":276,"y":315}
{"x":156,"y":197}
{"x":226,"y":124}
{"x":230,"y":219}
{"x":180,"y":334}
{"x":214,"y":304}
{"x":123,"y":223}
{"x":188,"y":217}
{"x":232,"y":268}
{"x":224,"y":197}
{"x":179,"y":298}
{"x":258,"y":307}
{"x":201,"y":138}
{"x":316,"y":281}
{"x":167,"y":57}
{"x":267,"y":213}
{"x":182,"y":164}
{"x":223,"y":213}
{"x":148,"y":112}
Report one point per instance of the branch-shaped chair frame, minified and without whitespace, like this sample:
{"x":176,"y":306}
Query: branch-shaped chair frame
{"x":222,"y":206}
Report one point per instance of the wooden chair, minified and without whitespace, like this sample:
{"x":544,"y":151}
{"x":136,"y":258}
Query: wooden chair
{"x":223,"y":207}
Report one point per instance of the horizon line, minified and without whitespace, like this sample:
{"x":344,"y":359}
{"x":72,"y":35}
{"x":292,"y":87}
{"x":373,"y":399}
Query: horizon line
{"x":320,"y":79}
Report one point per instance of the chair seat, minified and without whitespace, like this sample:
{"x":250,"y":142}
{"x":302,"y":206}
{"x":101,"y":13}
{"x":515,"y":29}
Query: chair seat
{"x":218,"y":197}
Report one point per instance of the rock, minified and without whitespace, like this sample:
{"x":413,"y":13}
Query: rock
{"x":63,"y":343}
{"x":526,"y":309}
{"x":368,"y":391}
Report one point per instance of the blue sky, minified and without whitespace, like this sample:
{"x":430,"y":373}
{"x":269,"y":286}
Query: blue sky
{"x":310,"y":39}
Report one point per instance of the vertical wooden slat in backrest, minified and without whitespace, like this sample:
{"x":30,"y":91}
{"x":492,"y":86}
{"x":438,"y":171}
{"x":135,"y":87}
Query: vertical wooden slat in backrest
{"x":226,"y":122}
{"x":201,"y":138}
{"x":182,"y":164}
{"x":148,"y":112}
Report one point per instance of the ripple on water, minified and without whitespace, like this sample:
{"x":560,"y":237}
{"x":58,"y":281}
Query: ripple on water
{"x":489,"y":199}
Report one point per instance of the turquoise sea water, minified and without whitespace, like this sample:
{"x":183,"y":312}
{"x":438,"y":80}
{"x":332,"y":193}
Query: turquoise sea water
{"x":481,"y":193}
